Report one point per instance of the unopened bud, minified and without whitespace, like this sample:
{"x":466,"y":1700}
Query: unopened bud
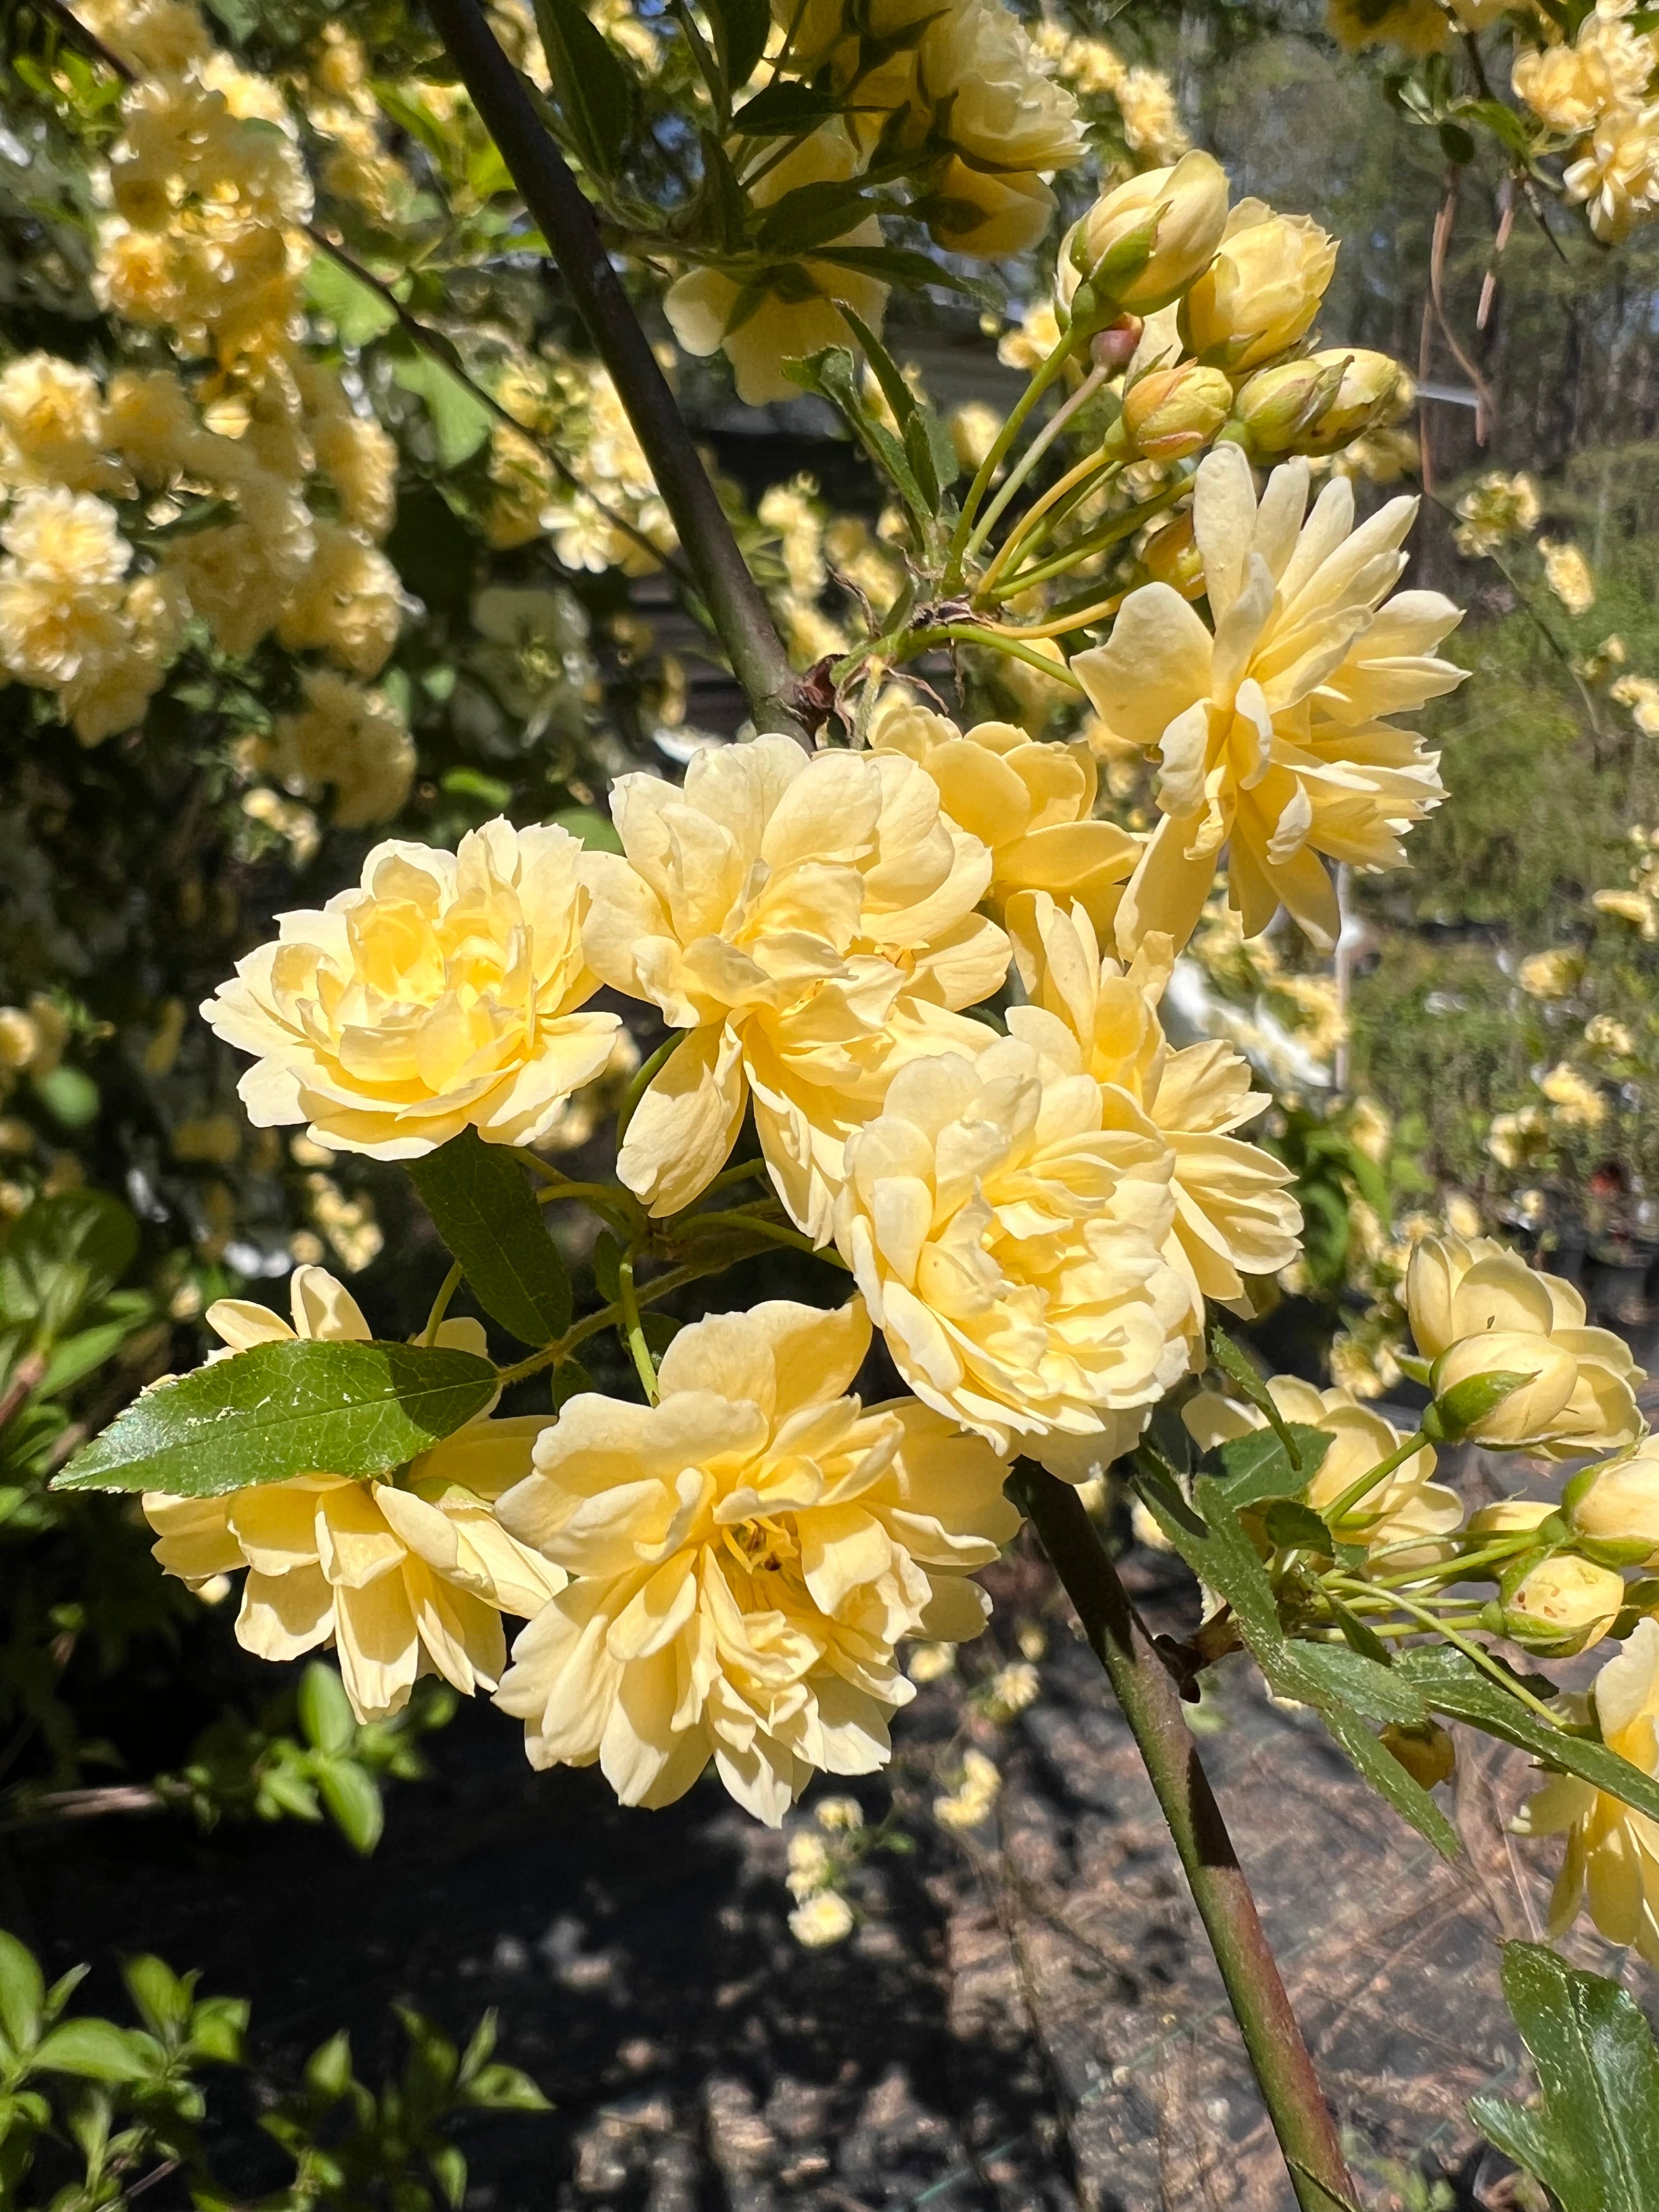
{"x":1115,"y":347}
{"x":1425,"y":1750}
{"x":1141,"y":245}
{"x":1278,"y":405}
{"x":1171,"y":556}
{"x":1511,"y":1516}
{"x":1261,"y":291}
{"x":1505,"y":1389}
{"x":1565,"y":1604}
{"x":1370,"y":389}
{"x":1170,"y":413}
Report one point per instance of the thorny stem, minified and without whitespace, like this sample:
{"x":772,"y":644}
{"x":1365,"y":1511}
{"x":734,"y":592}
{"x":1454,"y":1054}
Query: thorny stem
{"x":736,"y":607}
{"x":1152,"y":1706}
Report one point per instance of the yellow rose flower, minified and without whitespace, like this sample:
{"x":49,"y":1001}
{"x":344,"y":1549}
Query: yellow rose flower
{"x":1612,"y":1861}
{"x":1010,"y":1244}
{"x":442,"y":995}
{"x":789,"y":309}
{"x":1407,"y":1514}
{"x":1471,"y":1296}
{"x":1618,"y":177}
{"x":1566,"y":1605}
{"x":986,"y":213}
{"x":1179,"y":214}
{"x":809,"y":920}
{"x":352,"y":739}
{"x":1271,"y":732}
{"x":1031,"y":804}
{"x":404,"y":1578}
{"x":977,"y":64}
{"x":1234,"y":1214}
{"x":746,"y":1555}
{"x":1262,"y":290}
{"x":52,"y":427}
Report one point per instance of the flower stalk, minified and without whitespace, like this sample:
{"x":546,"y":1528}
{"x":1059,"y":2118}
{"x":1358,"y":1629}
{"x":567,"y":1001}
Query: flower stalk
{"x":736,"y":608}
{"x":1152,"y":1706}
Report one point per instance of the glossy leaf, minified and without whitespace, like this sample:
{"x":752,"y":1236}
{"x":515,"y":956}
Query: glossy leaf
{"x":782,"y":109}
{"x":1255,"y":1468}
{"x":1593,"y":2138}
{"x":740,"y":28}
{"x":460,"y":421}
{"x":358,"y":313}
{"x":284,"y":1409}
{"x":589,"y":83}
{"x":484,"y":1208}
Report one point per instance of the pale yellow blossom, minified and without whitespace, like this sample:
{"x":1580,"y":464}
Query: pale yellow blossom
{"x":404,"y":1576}
{"x":442,"y":995}
{"x":351,"y":739}
{"x":746,"y":1555}
{"x":1566,"y":571}
{"x":1273,"y":732}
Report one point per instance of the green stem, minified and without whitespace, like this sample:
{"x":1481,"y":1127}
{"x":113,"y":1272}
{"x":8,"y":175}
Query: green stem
{"x":1100,"y":541}
{"x":988,"y":468}
{"x":451,"y":1284}
{"x":633,"y":1332}
{"x":1152,"y":1707}
{"x":737,"y":609}
{"x":775,"y":1232}
{"x":641,"y":1081}
{"x":920,"y":640}
{"x":1470,"y":1649}
{"x":1029,"y":460}
{"x":1364,"y":1485}
{"x":551,"y":1355}
{"x":741,"y":1173}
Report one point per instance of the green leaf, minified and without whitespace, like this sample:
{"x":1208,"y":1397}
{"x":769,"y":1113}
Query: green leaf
{"x":596,"y":831}
{"x":64,"y":1254}
{"x":1258,"y":1467}
{"x":460,"y":421}
{"x":1593,"y":2139}
{"x":1233,"y":1363}
{"x":811,"y":215}
{"x":22,"y":1994}
{"x":359,"y":314}
{"x":76,"y":1356}
{"x":781,"y":111}
{"x":833,"y":375}
{"x":740,"y":28}
{"x":589,"y":83}
{"x":1293,"y":1525}
{"x":284,"y":1409}
{"x":328,"y":2071}
{"x":1450,"y":1683}
{"x":905,"y":266}
{"x":570,"y":1380}
{"x":163,"y":2001}
{"x":353,"y":1801}
{"x":505,"y":2089}
{"x":98,"y":2050}
{"x":484,"y":1208}
{"x":325,"y":1714}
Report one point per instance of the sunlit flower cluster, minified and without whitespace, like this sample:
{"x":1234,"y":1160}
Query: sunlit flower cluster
{"x":1593,"y":94}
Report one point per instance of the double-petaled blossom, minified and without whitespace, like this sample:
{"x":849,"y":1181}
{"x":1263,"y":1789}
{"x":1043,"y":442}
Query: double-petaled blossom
{"x":402,"y":1577}
{"x":1612,"y":1861}
{"x":1234,"y":1212}
{"x":809,"y":920}
{"x":1271,"y":727}
{"x":1010,"y":1242}
{"x":1262,"y":292}
{"x":1408,"y":1515}
{"x":444,"y":993}
{"x":1477,"y":1309}
{"x":745,"y":1555}
{"x":1031,"y":804}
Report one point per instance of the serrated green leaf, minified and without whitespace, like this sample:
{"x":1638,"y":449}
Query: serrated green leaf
{"x":782,"y":109}
{"x":64,"y":1253}
{"x":484,"y":1208}
{"x":1294,"y":1527}
{"x":833,"y":375}
{"x":1451,"y":1684}
{"x":284,"y":1409}
{"x":589,"y":83}
{"x":359,"y":314}
{"x":811,"y":215}
{"x":1255,"y":1468}
{"x":1593,"y":2139}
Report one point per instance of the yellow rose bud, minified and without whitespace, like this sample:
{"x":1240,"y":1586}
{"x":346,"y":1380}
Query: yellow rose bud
{"x":1425,"y":1752}
{"x":1369,"y":389}
{"x":1522,"y":1415}
{"x":1171,"y":556}
{"x":1567,"y":1603}
{"x":1262,"y":290}
{"x":1621,"y":1505}
{"x":1143,"y":243}
{"x":1510,"y":1516}
{"x":1173,"y":412}
{"x":1278,"y":404}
